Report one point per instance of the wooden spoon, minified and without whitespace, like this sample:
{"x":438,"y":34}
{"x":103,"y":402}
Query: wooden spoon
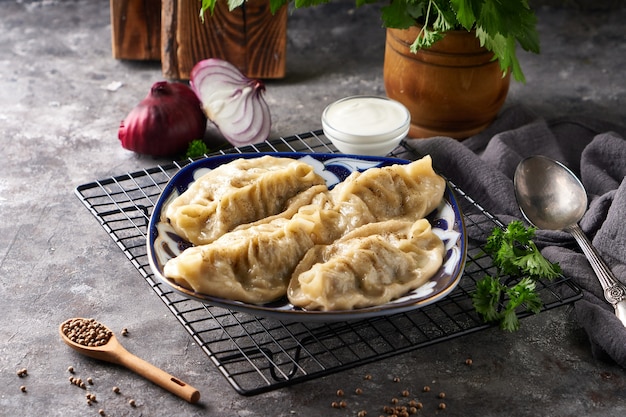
{"x":115,"y":353}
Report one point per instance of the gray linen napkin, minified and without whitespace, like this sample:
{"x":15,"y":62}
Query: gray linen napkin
{"x":483,"y":167}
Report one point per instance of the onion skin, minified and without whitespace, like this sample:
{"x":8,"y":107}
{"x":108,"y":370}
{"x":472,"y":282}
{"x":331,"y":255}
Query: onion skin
{"x":232,"y":101}
{"x":164,"y":122}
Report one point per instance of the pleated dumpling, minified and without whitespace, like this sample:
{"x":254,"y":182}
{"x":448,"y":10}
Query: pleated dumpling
{"x":369,"y":266}
{"x":254,"y":264}
{"x":240,"y":192}
{"x":408,"y":191}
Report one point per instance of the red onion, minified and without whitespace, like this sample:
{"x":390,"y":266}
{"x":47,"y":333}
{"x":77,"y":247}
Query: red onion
{"x":165,"y":122}
{"x":232,"y":101}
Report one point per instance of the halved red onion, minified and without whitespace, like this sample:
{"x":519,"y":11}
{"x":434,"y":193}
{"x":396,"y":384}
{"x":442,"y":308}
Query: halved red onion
{"x":232,"y":101}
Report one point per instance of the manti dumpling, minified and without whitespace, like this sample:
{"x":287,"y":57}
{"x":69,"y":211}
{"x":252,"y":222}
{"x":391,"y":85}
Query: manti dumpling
{"x":369,"y":266}
{"x":408,"y":191}
{"x":254,"y":264}
{"x":240,"y":192}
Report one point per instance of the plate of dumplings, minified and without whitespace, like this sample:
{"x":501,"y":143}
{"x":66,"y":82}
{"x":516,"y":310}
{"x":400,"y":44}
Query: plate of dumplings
{"x":307,"y":236}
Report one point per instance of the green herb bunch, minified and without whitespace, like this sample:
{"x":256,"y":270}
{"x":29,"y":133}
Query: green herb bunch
{"x":516,"y":258}
{"x":500,"y":25}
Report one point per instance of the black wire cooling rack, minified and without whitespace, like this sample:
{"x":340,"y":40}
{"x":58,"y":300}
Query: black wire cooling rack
{"x":259,"y":354}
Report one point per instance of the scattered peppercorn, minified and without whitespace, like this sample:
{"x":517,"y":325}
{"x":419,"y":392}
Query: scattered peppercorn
{"x":442,"y":406}
{"x":362,"y":413}
{"x":339,"y":393}
{"x":368,"y":377}
{"x":358,"y":391}
{"x":442,"y":395}
{"x":468,"y":362}
{"x":334,"y":404}
{"x":405,"y":393}
{"x":426,"y":388}
{"x":394,"y":401}
{"x":343,"y":404}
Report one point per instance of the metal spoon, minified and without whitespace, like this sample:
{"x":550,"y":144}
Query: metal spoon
{"x":551,"y":197}
{"x":114,"y":352}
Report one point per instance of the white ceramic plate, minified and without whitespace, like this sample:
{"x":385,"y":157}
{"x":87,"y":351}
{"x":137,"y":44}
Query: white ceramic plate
{"x":447,"y":221}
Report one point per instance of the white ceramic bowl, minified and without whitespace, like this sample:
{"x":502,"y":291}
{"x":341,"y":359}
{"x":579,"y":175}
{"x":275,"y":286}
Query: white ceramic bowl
{"x":366,"y":125}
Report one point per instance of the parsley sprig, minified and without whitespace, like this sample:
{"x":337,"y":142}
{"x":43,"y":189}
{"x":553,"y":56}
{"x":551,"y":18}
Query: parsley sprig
{"x":196,"y":148}
{"x":515,"y":256}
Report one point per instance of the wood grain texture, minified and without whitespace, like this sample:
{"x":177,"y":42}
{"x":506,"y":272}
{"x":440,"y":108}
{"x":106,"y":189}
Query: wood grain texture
{"x":250,"y":37}
{"x":136,"y":29}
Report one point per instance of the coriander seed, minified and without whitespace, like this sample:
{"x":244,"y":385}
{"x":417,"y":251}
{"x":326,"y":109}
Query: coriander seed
{"x":132,"y":403}
{"x":426,"y":388}
{"x":405,"y":393}
{"x":362,"y":413}
{"x":442,"y":395}
{"x":116,"y":390}
{"x":358,"y":391}
{"x":70,"y":369}
{"x":86,"y":332}
{"x":23,"y":388}
{"x":339,"y":393}
{"x":442,"y":406}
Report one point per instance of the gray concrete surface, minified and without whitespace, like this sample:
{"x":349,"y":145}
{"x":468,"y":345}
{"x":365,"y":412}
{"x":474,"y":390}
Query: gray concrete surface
{"x":58,"y":129}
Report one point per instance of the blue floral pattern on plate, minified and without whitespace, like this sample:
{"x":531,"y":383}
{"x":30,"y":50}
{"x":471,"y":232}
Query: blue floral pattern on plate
{"x":447,"y":221}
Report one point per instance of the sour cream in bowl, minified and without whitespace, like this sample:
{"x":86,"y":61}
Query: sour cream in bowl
{"x":366,"y":125}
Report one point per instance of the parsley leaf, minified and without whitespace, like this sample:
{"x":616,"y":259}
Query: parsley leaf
{"x":196,"y":148}
{"x":515,"y":255}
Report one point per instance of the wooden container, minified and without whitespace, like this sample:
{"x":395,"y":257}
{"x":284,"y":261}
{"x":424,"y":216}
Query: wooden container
{"x":249,"y":37}
{"x":136,"y":29}
{"x":454,"y":88}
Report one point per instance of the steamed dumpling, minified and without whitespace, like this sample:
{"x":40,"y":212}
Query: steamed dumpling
{"x":240,"y":192}
{"x":254,"y":264}
{"x":370,"y":266}
{"x":408,"y":191}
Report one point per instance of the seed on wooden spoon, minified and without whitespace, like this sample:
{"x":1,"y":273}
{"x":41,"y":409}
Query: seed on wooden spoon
{"x":95,"y":340}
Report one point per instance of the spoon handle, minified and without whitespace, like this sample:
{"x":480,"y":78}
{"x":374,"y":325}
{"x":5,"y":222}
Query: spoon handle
{"x":158,"y":376}
{"x":614,"y":291}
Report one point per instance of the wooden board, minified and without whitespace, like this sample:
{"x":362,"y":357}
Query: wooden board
{"x":250,"y":37}
{"x":136,"y":29}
